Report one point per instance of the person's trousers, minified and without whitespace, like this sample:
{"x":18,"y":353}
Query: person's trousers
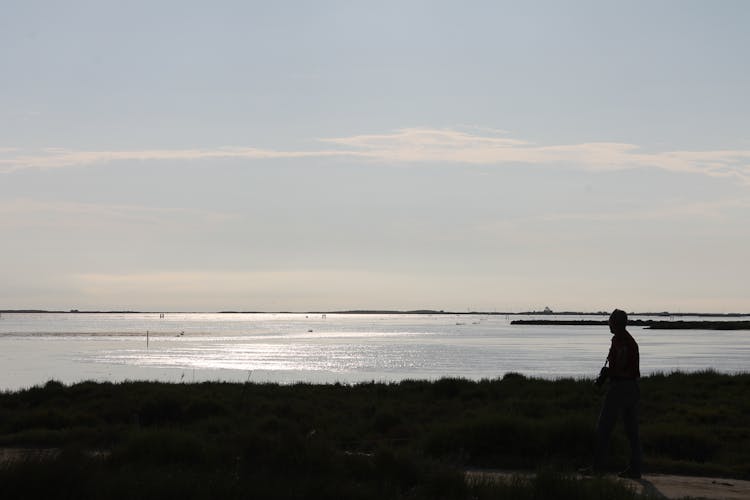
{"x":623,"y":399}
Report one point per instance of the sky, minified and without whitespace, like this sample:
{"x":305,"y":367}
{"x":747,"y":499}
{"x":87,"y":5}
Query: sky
{"x":328,"y":155}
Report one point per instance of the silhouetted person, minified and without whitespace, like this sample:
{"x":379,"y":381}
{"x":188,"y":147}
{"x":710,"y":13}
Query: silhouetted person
{"x":622,"y":397}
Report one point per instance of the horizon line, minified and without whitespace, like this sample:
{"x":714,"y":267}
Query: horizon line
{"x":369,"y":311}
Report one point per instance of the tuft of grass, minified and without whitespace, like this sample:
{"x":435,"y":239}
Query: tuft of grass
{"x":149,"y":447}
{"x":551,"y":484}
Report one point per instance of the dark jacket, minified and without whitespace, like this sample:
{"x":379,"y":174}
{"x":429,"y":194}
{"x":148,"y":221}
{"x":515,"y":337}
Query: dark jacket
{"x":623,"y":357}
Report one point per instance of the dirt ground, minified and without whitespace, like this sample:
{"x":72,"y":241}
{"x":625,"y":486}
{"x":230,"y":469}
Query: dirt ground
{"x":665,"y":486}
{"x":15,"y":454}
{"x":669,"y":486}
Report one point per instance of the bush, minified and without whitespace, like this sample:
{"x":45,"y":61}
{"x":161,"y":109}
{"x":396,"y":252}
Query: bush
{"x":162,"y":447}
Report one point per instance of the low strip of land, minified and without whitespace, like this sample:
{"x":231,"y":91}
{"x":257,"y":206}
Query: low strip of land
{"x":648,"y":323}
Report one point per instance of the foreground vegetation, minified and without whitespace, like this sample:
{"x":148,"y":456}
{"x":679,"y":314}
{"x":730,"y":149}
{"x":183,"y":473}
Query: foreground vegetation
{"x":411,"y":439}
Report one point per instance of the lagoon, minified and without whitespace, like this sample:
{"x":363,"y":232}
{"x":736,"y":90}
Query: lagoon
{"x":346,"y":348}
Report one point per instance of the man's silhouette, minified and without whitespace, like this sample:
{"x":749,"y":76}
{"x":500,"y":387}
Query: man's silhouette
{"x":622,"y":397}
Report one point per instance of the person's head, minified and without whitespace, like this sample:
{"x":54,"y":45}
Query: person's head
{"x":618,"y":320}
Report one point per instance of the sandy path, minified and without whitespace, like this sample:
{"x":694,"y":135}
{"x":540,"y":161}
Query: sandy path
{"x":662,"y":485}
{"x":16,"y":454}
{"x":36,"y":454}
{"x":700,"y":487}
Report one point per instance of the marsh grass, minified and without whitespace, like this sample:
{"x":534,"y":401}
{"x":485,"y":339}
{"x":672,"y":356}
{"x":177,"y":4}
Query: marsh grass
{"x":410,"y":439}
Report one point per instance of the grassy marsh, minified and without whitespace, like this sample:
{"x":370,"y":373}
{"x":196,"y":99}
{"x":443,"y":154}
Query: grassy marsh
{"x":411,"y":439}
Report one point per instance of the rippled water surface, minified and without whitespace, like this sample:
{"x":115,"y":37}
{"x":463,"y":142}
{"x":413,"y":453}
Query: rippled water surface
{"x":335,"y":347}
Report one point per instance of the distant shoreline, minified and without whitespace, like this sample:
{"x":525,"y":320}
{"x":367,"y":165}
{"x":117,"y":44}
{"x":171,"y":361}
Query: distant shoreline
{"x":650,"y":324}
{"x":413,"y":312}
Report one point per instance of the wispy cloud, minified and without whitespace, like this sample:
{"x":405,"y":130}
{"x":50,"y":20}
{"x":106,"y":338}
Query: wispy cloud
{"x":704,"y":209}
{"x":447,"y":145}
{"x":473,"y":145}
{"x":58,"y":157}
{"x":65,"y":214}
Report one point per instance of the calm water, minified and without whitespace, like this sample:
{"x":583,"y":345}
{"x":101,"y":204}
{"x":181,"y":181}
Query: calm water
{"x":347,"y":348}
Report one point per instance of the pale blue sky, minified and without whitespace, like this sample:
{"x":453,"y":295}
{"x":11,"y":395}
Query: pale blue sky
{"x":333,"y":155}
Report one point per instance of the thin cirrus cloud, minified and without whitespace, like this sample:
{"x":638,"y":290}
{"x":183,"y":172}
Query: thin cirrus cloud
{"x":425,"y":145}
{"x":59,"y":157}
{"x":705,"y":209}
{"x":446,"y":145}
{"x":61,"y":214}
